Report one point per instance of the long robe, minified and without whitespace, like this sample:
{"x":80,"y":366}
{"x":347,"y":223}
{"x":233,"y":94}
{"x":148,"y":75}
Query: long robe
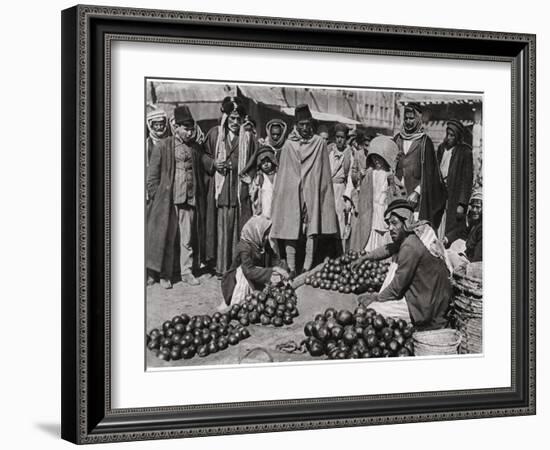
{"x":459,"y":185}
{"x":162,"y":221}
{"x":232,"y":209}
{"x":422,"y":279}
{"x":303,"y":186}
{"x":340,"y":165}
{"x":419,"y":167}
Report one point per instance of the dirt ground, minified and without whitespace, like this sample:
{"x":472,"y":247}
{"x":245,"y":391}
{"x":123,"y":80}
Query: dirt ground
{"x":163,"y":304}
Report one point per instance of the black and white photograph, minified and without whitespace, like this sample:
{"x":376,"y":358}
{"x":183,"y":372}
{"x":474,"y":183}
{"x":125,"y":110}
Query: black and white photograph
{"x":300,"y":223}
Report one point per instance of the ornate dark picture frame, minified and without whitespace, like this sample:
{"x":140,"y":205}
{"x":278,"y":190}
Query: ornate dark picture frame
{"x":87,"y":34}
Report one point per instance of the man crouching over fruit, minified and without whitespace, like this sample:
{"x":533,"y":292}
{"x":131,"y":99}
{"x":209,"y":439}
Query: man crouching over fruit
{"x":417,"y":287}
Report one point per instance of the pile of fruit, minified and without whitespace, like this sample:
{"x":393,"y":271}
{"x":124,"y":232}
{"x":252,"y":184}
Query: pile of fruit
{"x":338,"y":275}
{"x":274,"y":305}
{"x":185,"y":336}
{"x":362,"y":334}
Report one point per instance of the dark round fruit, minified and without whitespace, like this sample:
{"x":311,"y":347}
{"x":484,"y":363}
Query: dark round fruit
{"x":403,"y":351}
{"x":176,"y":338}
{"x":330,"y":345}
{"x":371,"y":340}
{"x":379,"y":322}
{"x":269,"y":311}
{"x":337,"y":332}
{"x":253,"y":317}
{"x":376,"y":352}
{"x":264,"y":320}
{"x":233,"y":339}
{"x":345,"y":317}
{"x":169,"y":332}
{"x":244,"y":333}
{"x":223,"y":343}
{"x":308,"y":280}
{"x":185,"y":319}
{"x":387,"y":334}
{"x":206,"y":336}
{"x":244,"y":321}
{"x":166,"y":342}
{"x":277,"y":321}
{"x":175,"y":353}
{"x":166,"y":325}
{"x":350,"y":336}
{"x":393,"y":346}
{"x":203,"y":351}
{"x":287,"y":320}
{"x":308,"y":328}
{"x":187,"y":353}
{"x":153,"y":344}
{"x":154,"y":334}
{"x":164,"y":356}
{"x":213,"y":347}
{"x":314,"y":347}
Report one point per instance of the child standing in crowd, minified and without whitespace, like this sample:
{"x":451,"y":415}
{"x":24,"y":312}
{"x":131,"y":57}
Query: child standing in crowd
{"x":377,"y":189}
{"x":261,"y":187}
{"x":340,"y":158}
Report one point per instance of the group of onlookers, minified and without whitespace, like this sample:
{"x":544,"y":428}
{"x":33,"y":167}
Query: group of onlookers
{"x":254,"y":209}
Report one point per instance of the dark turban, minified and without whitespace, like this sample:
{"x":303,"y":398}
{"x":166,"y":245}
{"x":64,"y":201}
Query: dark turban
{"x":341,"y":127}
{"x":457,"y":128}
{"x":231,"y":104}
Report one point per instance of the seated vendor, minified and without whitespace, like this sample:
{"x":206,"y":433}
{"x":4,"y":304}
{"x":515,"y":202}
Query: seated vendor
{"x":466,"y":245}
{"x":248,"y":271}
{"x":417,"y":287}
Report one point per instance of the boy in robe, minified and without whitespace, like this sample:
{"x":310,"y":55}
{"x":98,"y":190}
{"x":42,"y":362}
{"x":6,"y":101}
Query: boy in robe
{"x":340,"y":158}
{"x":263,"y":182}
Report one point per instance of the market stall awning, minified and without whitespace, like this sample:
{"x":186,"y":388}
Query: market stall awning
{"x":325,"y":117}
{"x":268,"y":95}
{"x":439,"y":99}
{"x":174,"y":92}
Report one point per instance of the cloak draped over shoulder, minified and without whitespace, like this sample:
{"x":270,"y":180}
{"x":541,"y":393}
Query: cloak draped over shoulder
{"x":303,"y":186}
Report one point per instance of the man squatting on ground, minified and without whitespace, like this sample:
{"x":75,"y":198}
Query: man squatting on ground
{"x":417,"y":287}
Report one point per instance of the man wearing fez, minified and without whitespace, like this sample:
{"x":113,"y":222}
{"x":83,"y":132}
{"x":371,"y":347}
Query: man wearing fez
{"x":230,"y":146}
{"x":303,"y":197}
{"x":341,"y":157}
{"x":175,"y":185}
{"x":456,"y":164}
{"x":417,"y":168}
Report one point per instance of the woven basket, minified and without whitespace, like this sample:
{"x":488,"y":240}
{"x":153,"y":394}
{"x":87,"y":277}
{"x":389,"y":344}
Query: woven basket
{"x":436,"y":342}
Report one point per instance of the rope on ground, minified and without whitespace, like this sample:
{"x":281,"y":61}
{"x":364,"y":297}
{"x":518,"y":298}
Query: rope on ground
{"x":291,"y":347}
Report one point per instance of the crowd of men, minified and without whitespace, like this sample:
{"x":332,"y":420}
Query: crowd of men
{"x":320,"y":197}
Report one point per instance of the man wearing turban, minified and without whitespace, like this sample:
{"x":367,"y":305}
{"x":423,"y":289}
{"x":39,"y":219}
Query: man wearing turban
{"x":417,"y":287}
{"x":418,"y":169}
{"x":303,"y":197}
{"x":456,"y":165}
{"x":157,"y":129}
{"x":275,"y":135}
{"x":230,"y":145}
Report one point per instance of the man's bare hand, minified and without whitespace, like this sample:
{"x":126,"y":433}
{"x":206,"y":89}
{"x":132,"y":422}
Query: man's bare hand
{"x":413,"y":199}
